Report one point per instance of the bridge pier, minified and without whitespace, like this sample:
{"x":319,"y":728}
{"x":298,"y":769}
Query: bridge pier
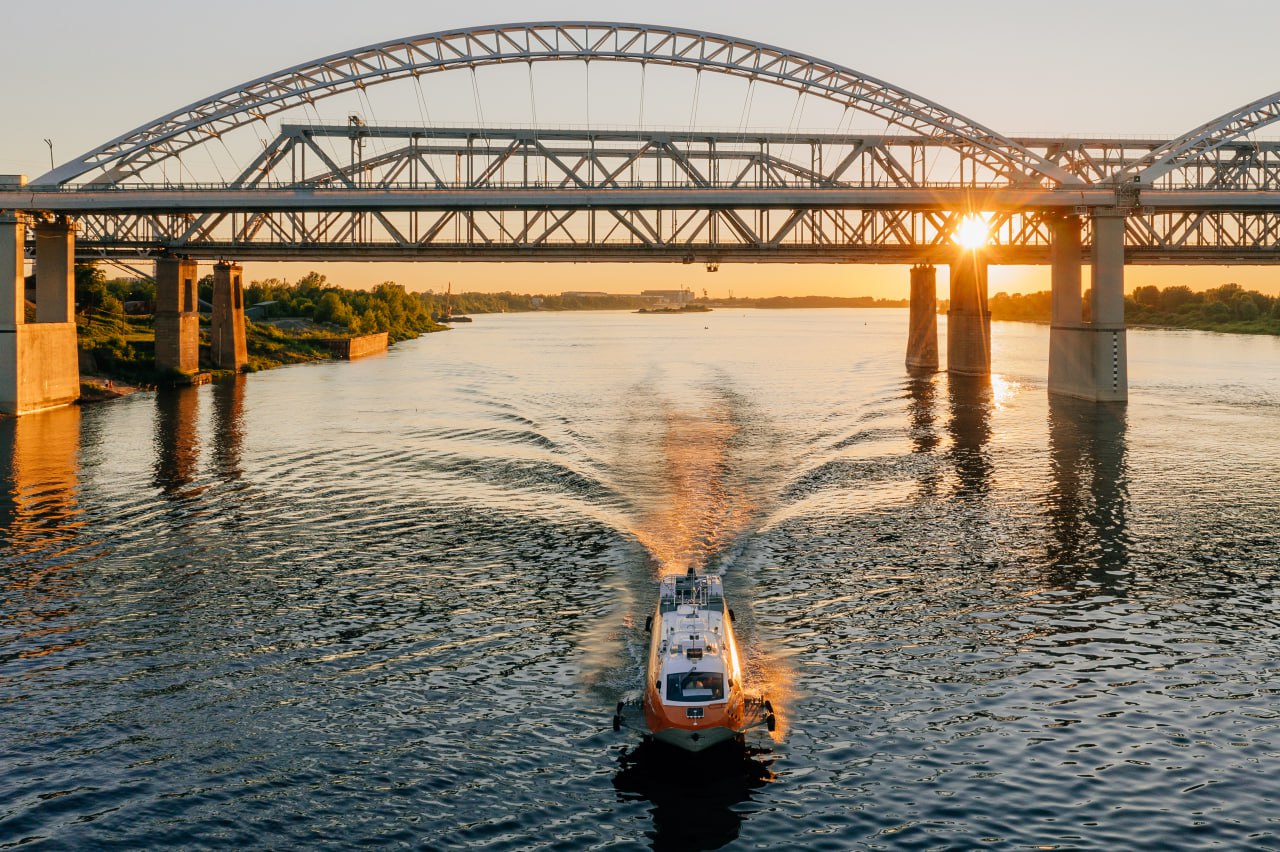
{"x":1088,"y":360}
{"x":177,"y":316}
{"x":39,"y":362}
{"x":969,"y":319}
{"x":922,"y":336}
{"x":226,"y":331}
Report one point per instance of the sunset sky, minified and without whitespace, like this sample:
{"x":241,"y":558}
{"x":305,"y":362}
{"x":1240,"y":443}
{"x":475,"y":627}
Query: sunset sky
{"x":84,"y":72}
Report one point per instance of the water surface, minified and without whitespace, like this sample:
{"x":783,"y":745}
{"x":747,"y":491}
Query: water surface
{"x":394,"y":601}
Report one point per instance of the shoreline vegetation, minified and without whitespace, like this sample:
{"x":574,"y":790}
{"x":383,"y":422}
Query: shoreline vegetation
{"x":286,"y":324}
{"x":293,"y":323}
{"x":1228,"y":309}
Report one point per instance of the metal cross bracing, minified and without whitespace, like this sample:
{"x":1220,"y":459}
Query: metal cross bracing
{"x":557,"y":194}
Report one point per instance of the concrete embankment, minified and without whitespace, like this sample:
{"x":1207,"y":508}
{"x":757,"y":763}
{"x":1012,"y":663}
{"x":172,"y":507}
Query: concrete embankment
{"x":350,"y":348}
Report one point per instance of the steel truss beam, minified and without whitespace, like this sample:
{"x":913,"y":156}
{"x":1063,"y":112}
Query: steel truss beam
{"x":469,"y":193}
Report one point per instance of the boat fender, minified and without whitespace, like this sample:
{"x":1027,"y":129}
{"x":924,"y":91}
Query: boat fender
{"x":648,"y":624}
{"x":732,"y":617}
{"x":770,"y":722}
{"x":617,"y":723}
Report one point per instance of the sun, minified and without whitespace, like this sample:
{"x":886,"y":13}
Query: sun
{"x":972,"y":233}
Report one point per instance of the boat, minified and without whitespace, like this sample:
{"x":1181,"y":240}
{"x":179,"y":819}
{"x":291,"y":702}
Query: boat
{"x":694,"y":697}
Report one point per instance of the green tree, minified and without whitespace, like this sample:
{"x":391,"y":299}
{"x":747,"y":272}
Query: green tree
{"x":332,"y":309}
{"x":1173,"y":298}
{"x":1148,"y":296}
{"x":91,"y":285}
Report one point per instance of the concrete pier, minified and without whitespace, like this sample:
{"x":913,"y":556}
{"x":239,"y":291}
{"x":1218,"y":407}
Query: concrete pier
{"x":39,"y":366}
{"x":969,"y":319}
{"x":922,"y":336}
{"x":226,"y":332}
{"x":177,"y":316}
{"x":1088,"y":360}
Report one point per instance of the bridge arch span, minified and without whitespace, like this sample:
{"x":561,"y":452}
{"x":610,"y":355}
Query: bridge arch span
{"x":1203,"y":140}
{"x":198,"y":123}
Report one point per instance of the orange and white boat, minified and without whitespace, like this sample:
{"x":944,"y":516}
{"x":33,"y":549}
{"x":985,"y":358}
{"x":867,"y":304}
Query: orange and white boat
{"x":694,"y":696}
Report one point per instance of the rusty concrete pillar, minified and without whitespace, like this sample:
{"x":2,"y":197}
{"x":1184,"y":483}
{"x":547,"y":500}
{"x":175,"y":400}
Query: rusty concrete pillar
{"x":13,"y":236}
{"x":177,"y":315}
{"x":55,"y":272}
{"x":226,"y":332}
{"x":969,"y":319}
{"x":922,"y":331}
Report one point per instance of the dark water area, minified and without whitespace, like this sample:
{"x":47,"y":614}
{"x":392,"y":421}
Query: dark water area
{"x":394,"y":601}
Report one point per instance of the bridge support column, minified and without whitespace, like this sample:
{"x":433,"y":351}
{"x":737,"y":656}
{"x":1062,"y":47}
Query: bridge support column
{"x":922,"y":335}
{"x":177,"y":317}
{"x":969,"y":320}
{"x":226,"y":331}
{"x":1088,"y":360}
{"x":39,"y":363}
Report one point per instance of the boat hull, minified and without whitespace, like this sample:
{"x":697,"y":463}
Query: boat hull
{"x":694,"y":740}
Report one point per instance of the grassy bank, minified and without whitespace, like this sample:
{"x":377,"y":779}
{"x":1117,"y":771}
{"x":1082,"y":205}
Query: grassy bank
{"x":123,"y":349}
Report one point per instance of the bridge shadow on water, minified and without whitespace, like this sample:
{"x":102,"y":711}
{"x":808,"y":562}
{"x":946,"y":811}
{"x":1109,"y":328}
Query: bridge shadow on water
{"x":695,"y":797}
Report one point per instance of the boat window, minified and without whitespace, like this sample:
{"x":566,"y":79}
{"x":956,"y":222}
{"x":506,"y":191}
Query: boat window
{"x":695,"y":686}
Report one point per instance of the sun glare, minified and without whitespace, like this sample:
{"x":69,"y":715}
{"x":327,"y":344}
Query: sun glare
{"x":972,"y":232}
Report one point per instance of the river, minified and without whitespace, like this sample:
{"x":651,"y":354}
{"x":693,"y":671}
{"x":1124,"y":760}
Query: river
{"x":394,"y":601}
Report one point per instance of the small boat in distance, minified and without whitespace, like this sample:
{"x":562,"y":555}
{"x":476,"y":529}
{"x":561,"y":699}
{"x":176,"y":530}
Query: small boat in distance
{"x":694,"y":697}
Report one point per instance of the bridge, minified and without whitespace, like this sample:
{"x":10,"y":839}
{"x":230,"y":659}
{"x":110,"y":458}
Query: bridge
{"x":911,"y":194}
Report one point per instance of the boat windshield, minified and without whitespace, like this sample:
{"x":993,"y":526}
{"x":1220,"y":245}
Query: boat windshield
{"x":695,"y":686}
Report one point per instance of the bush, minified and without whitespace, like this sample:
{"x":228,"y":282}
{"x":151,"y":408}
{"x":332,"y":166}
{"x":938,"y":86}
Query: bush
{"x":1245,"y":307}
{"x":1217,"y":311}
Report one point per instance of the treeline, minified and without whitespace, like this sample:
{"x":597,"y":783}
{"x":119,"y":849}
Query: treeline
{"x":809,"y":302}
{"x":1226,"y":308}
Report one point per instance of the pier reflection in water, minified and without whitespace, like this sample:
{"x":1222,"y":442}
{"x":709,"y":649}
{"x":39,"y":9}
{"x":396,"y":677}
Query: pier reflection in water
{"x":1088,"y":498}
{"x":177,"y":441}
{"x":228,"y":426}
{"x":970,"y":427}
{"x":40,"y":527}
{"x":39,"y":477}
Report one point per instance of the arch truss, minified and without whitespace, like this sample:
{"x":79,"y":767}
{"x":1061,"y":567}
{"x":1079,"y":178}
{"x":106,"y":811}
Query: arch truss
{"x":1204,"y":144}
{"x":135,"y":152}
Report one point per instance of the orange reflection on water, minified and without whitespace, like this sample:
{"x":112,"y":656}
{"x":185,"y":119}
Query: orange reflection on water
{"x":38,"y":509}
{"x":39,"y":524}
{"x":695,"y":511}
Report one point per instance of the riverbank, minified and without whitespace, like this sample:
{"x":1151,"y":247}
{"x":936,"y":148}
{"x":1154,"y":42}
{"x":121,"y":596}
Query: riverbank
{"x":117,"y":353}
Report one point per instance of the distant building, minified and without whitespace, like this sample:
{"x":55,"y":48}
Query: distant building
{"x":535,"y":301}
{"x":670,"y":297}
{"x":588,"y":294}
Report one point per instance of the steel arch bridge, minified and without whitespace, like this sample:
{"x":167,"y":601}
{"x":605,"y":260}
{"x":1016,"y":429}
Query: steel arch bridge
{"x":488,"y":193}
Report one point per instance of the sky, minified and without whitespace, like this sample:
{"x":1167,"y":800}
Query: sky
{"x":80,"y":73}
